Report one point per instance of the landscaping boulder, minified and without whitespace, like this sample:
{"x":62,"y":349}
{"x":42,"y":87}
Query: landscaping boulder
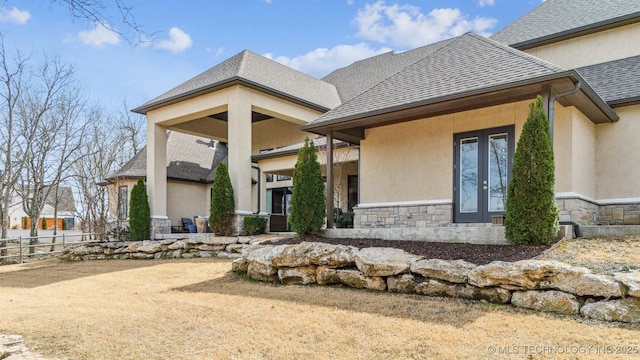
{"x":455,"y":271}
{"x":405,"y":283}
{"x":384,"y":261}
{"x":240,"y":265}
{"x":356,"y":279}
{"x":326,"y":275}
{"x":314,"y":253}
{"x":549,"y":301}
{"x":302,"y":275}
{"x":625,"y":310}
{"x":584,"y":283}
{"x":219,"y":240}
{"x":541,"y":274}
{"x":631,"y":280}
{"x":260,"y":259}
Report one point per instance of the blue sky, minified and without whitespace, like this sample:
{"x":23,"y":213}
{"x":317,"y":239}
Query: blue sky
{"x":313,"y":36}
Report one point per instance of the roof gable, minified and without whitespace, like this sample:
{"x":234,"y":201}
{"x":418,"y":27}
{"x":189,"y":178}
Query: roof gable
{"x":257,"y":71}
{"x":468,"y":63}
{"x":360,"y":76}
{"x":556,"y":20}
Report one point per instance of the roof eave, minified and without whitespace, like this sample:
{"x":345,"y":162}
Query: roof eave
{"x":579,"y":31}
{"x":236,"y":80}
{"x":593,"y":96}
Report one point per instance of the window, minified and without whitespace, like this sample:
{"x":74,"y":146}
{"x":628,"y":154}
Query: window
{"x":283,"y":178}
{"x":269,"y":177}
{"x":123,"y":202}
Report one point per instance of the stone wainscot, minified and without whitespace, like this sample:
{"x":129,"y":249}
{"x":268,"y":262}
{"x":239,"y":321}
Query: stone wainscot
{"x":533,"y":284}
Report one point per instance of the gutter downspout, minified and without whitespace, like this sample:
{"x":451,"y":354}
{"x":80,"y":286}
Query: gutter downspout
{"x":552,"y":101}
{"x":259,"y":185}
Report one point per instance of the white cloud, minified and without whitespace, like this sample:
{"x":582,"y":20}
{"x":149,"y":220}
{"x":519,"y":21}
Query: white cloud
{"x":406,"y":26}
{"x":320,"y":62}
{"x":14,"y":15}
{"x":179,"y":41}
{"x":101,"y":34}
{"x":484,"y":3}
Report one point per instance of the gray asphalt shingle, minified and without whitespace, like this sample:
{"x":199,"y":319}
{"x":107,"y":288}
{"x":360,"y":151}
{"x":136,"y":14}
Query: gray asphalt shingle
{"x":256,"y":69}
{"x":190,"y":158}
{"x":617,"y":82}
{"x":466,"y":63}
{"x":554,"y":17}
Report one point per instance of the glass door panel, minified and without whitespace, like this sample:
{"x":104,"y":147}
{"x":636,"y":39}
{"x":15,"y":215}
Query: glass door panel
{"x":498,"y":157}
{"x":468,"y":175}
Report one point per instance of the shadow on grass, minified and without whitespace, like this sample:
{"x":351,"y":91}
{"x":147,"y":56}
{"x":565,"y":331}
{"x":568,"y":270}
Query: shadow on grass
{"x":448,"y":311}
{"x":48,"y":272}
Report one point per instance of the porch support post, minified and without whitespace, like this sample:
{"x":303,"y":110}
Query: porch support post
{"x":329,"y":174}
{"x":157,"y":169}
{"x":239,"y":137}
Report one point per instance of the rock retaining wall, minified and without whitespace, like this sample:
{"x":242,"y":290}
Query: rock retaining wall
{"x":205,"y":246}
{"x":534,"y":284}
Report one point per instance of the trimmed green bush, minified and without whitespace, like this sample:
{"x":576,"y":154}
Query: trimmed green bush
{"x":254,"y":225}
{"x":222,"y":203}
{"x":307,"y":202}
{"x":532,"y":214}
{"x":139,"y":213}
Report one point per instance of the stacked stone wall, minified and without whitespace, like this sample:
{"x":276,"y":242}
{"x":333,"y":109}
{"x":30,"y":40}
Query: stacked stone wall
{"x":418,"y":216}
{"x":534,"y":284}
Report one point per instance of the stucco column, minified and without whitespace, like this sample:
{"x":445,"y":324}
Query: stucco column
{"x":157,"y":169}
{"x":239,"y":137}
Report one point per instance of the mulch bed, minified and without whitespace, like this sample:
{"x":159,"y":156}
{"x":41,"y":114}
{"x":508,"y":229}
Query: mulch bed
{"x":477,"y":254}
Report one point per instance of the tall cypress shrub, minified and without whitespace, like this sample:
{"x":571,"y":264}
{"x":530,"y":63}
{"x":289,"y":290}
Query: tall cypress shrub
{"x":139,"y":212}
{"x":222,"y":204}
{"x":307,"y":202}
{"x":532,"y":214}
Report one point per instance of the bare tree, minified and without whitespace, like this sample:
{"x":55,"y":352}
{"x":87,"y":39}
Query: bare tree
{"x":101,"y":156}
{"x":13,"y":78}
{"x":50,"y":106}
{"x":132,"y":126}
{"x":97,"y":13}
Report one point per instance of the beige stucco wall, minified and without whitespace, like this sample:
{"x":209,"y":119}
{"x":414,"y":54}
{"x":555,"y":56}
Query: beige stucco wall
{"x":112,"y":190}
{"x":617,"y":169}
{"x":275,"y":133}
{"x":186,"y":199}
{"x":613,"y":44}
{"x":583,"y":155}
{"x":413,"y":161}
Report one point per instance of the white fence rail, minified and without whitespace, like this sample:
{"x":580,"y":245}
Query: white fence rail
{"x":27,"y":247}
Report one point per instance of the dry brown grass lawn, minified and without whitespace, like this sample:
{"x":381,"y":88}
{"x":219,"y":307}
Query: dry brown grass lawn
{"x":197,"y":309}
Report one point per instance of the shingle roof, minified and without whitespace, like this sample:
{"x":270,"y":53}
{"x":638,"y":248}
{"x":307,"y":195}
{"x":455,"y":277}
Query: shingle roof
{"x":66,"y":204}
{"x":190,"y":158}
{"x":467,"y":63}
{"x":360,"y":76}
{"x":560,"y":18}
{"x":617,"y":82}
{"x":257,"y":70}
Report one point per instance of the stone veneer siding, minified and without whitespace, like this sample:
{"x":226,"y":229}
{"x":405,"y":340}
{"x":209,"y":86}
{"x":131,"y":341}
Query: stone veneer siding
{"x":620,"y":214}
{"x":576,"y":209}
{"x":412,"y":216}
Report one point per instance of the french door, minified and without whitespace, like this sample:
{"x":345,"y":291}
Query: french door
{"x":482,"y":170}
